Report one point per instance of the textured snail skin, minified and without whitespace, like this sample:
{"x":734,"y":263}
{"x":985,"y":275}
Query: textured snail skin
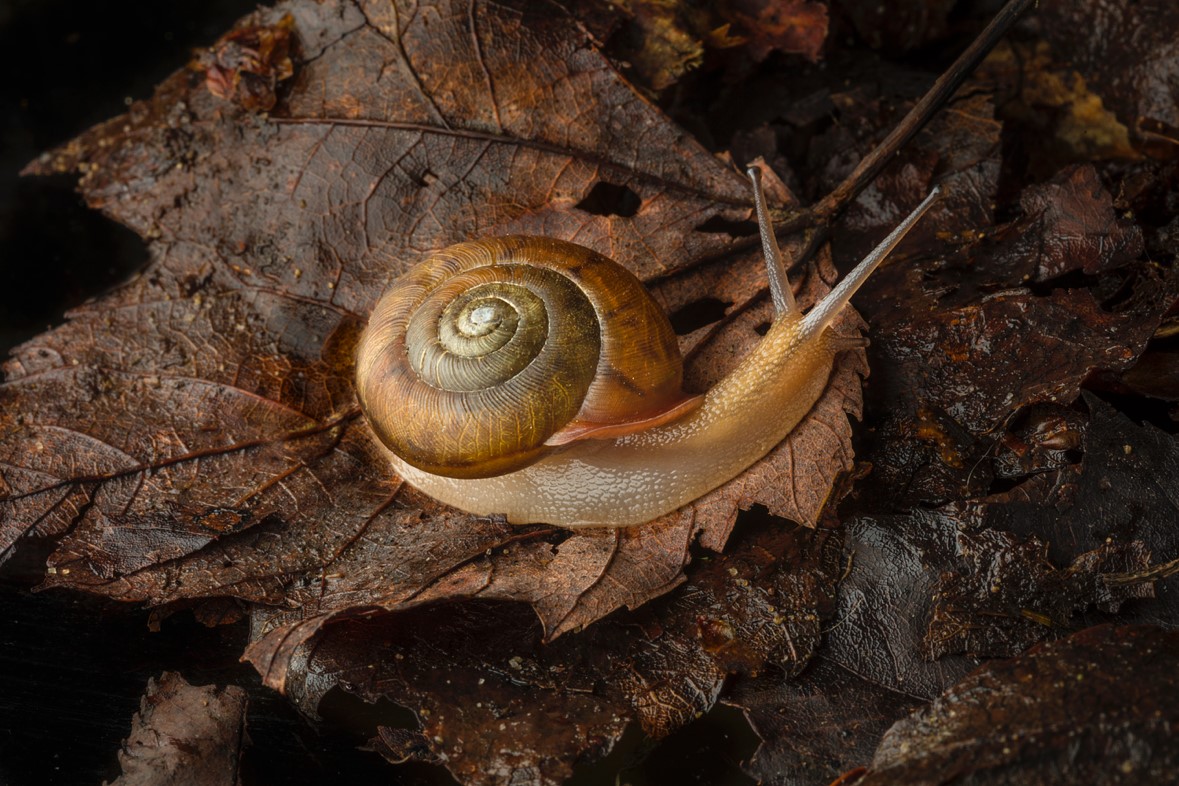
{"x":659,"y":451}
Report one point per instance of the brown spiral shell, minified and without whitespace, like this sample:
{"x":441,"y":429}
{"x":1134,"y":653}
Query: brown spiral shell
{"x":483,"y":357}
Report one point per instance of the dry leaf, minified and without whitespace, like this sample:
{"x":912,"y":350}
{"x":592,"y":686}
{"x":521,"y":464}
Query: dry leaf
{"x":185,"y":735}
{"x":195,"y":434}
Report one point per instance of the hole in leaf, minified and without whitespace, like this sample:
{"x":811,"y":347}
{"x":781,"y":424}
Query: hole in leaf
{"x":697,"y":314}
{"x":608,"y":199}
{"x":720,"y":225}
{"x":762,"y":329}
{"x":424,"y":179}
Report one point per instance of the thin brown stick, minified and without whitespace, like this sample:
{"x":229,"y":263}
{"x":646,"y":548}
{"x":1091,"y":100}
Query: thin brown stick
{"x":1153,"y":573}
{"x":817,"y":219}
{"x":830,"y":206}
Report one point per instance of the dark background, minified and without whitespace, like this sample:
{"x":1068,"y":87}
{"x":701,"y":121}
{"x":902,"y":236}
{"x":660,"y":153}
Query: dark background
{"x":72,"y":668}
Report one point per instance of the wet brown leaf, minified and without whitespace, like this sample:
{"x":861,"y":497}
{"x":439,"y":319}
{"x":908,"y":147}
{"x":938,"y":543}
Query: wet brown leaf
{"x":1156,"y":374}
{"x":1098,"y":707}
{"x":970,"y":338}
{"x":496,"y":704}
{"x":930,"y":592}
{"x":1126,"y":50}
{"x":927,"y":594}
{"x":185,"y":735}
{"x":885,"y":601}
{"x":195,"y":433}
{"x":1007,"y":596}
{"x":1071,"y":225}
{"x":1120,"y":497}
{"x":817,"y":725}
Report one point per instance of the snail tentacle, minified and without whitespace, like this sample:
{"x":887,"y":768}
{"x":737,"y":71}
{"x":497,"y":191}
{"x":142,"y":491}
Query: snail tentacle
{"x":827,"y":309}
{"x":780,"y":291}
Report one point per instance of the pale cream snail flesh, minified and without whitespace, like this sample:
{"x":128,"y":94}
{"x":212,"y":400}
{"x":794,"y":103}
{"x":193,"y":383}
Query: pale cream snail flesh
{"x":536,"y":379}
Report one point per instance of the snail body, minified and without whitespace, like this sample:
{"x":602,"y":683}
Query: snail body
{"x":605,"y":437}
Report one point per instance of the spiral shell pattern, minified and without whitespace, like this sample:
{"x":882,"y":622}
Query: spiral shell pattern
{"x":480,"y":355}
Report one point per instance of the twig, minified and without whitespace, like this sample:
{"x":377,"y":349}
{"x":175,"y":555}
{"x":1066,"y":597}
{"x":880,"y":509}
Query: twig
{"x":818,"y":217}
{"x":829,"y":207}
{"x":922,"y":112}
{"x":1150,"y":574}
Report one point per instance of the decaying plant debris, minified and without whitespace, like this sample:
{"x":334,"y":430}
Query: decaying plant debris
{"x":192,"y":440}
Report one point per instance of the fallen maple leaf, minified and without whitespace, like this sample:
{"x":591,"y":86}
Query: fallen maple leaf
{"x":195,"y":434}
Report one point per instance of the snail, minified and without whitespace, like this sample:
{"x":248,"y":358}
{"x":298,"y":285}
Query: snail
{"x":536,"y":379}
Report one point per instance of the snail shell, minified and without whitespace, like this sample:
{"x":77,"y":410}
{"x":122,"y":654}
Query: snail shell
{"x":576,"y":417}
{"x":491,"y":352}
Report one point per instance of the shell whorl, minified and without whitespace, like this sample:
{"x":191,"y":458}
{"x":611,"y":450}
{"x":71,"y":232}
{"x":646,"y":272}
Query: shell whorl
{"x":482,"y":357}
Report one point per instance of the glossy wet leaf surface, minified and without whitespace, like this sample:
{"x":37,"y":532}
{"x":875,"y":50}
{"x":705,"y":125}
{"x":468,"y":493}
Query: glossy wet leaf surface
{"x":192,"y":440}
{"x":1098,"y":707}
